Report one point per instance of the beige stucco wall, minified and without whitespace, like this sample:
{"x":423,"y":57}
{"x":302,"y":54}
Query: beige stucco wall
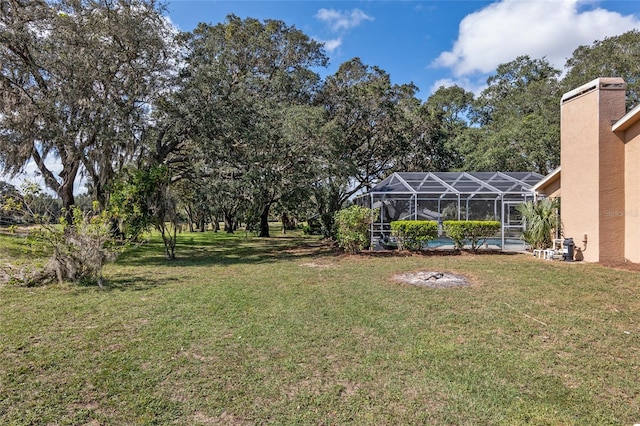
{"x":552,"y":190}
{"x":632,"y":193}
{"x":549,"y":187}
{"x":592,"y":162}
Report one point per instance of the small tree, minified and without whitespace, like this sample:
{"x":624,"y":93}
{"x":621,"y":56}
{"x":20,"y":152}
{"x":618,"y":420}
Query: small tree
{"x":353,"y":227}
{"x":541,"y":219}
{"x":143,"y":199}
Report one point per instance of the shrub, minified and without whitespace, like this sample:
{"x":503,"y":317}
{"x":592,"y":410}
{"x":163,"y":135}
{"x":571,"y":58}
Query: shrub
{"x":412,"y":234}
{"x":472,"y":232}
{"x":312,"y":228}
{"x":80,"y":243}
{"x":541,"y":220}
{"x":82,"y":248}
{"x":79,"y":250}
{"x":352,"y":226}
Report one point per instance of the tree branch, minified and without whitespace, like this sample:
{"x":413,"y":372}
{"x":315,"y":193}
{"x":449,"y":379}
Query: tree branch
{"x":47,"y":175}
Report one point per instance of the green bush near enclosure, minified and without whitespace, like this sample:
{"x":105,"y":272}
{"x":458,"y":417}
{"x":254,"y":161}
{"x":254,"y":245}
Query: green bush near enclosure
{"x":413,"y":234}
{"x":352,"y":226}
{"x":471,"y":232}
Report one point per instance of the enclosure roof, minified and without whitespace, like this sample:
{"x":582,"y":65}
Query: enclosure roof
{"x":457,"y":183}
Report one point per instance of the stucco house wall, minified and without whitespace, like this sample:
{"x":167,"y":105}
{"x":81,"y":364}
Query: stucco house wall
{"x":550,"y":186}
{"x":553,"y":189}
{"x":628,"y":130}
{"x":632,"y":194}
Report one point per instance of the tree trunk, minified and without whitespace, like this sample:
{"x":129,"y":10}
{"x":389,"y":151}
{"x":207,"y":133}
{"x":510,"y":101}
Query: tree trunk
{"x":263,"y":230}
{"x":68,"y":201}
{"x":189,"y":218}
{"x":101,"y":196}
{"x":229,"y":223}
{"x":169,"y":239}
{"x":285,"y":221}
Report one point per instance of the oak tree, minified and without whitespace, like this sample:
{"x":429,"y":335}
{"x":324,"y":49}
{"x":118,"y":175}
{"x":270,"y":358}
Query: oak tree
{"x":246,"y":82}
{"x":78,"y":78}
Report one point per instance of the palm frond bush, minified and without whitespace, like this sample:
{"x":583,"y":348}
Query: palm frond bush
{"x":542,"y":220}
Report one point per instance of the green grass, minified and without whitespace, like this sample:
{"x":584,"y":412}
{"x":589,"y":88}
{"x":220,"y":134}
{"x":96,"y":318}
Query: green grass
{"x":283,"y":331}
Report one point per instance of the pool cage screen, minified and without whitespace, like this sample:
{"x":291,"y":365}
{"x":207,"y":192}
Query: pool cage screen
{"x":441,"y":196}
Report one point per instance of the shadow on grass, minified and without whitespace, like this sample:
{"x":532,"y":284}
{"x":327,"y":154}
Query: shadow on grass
{"x":146,"y":266}
{"x":222,"y":249}
{"x":16,"y":246}
{"x":204,"y":249}
{"x":208,"y":249}
{"x":134,"y":282}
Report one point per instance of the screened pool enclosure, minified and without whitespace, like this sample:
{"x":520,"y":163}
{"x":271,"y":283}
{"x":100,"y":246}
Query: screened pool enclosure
{"x":441,"y":196}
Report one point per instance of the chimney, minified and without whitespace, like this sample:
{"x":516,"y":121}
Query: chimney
{"x":592,"y":163}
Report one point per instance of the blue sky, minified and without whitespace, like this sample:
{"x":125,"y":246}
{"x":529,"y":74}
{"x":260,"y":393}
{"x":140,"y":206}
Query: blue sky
{"x":433,"y":42}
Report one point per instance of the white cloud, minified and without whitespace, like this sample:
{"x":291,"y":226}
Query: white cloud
{"x":507,"y":29}
{"x":475,"y":86}
{"x":339,"y":20}
{"x":331,"y":45}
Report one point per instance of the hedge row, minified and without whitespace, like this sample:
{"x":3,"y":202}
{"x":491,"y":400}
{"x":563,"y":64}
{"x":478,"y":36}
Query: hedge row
{"x":413,"y":234}
{"x":353,"y":230}
{"x":472,"y":232}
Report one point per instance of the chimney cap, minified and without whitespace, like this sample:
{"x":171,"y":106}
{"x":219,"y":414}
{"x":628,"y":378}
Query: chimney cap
{"x":601,"y":83}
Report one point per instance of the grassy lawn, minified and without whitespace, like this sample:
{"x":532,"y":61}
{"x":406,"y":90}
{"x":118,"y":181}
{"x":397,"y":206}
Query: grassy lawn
{"x":283,"y":331}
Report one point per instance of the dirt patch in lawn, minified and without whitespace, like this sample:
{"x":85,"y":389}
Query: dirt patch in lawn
{"x":4,"y":277}
{"x":433,"y":279}
{"x":318,"y":265}
{"x":627,"y":266}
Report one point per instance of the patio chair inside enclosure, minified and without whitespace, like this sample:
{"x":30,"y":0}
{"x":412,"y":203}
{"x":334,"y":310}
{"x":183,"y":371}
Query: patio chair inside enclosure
{"x":441,"y":196}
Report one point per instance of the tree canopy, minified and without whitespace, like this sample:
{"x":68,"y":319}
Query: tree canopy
{"x":617,"y":56}
{"x":250,"y":84}
{"x":518,"y":118}
{"x":78,"y":80}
